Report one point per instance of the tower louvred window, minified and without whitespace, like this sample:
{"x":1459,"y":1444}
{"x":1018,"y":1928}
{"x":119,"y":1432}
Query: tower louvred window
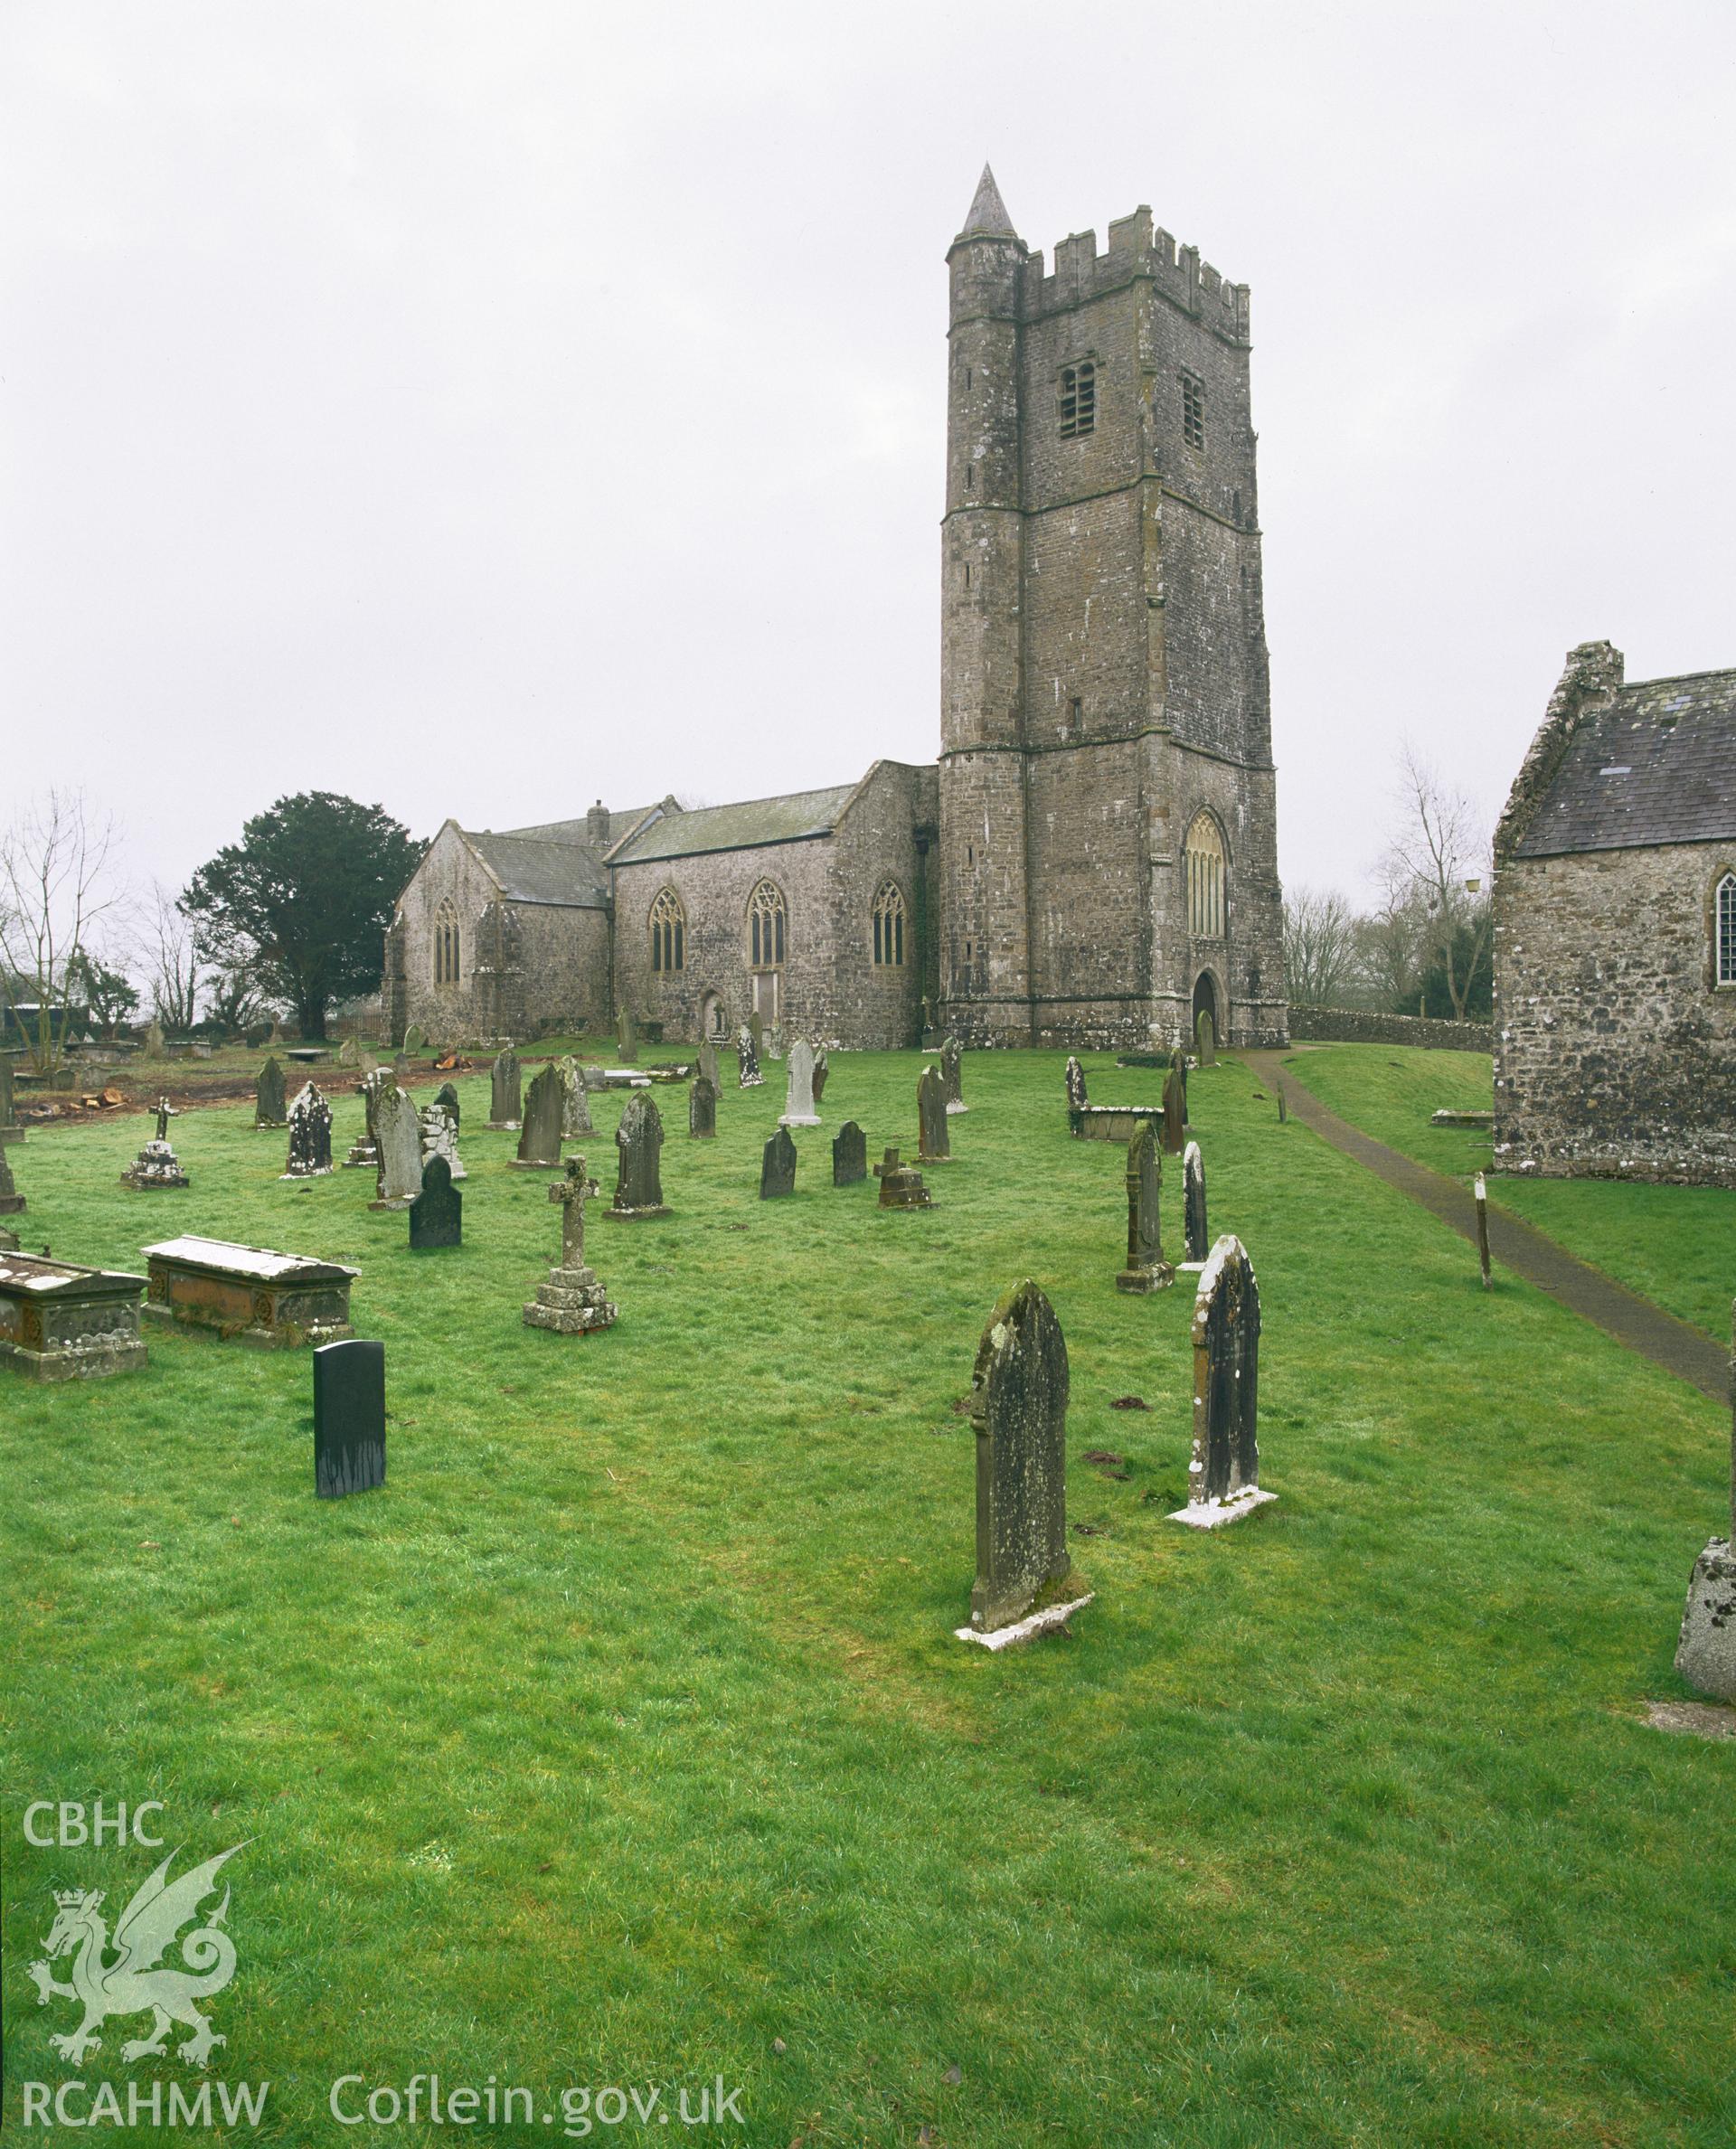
{"x":1077,"y":399}
{"x":1192,"y":411}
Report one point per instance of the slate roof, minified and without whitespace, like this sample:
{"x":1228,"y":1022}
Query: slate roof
{"x":1654,"y":765}
{"x":533,"y":870}
{"x":789,"y":819}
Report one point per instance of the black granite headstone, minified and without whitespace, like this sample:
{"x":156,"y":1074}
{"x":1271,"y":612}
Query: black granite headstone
{"x":349,"y":1418}
{"x":437,"y":1214}
{"x":448,"y":1095}
{"x":777,"y":1167}
{"x":1226,"y":1377}
{"x":849,"y":1155}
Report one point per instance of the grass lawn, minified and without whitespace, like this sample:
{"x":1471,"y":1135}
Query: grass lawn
{"x":1676,"y":1244}
{"x":622,"y":1739}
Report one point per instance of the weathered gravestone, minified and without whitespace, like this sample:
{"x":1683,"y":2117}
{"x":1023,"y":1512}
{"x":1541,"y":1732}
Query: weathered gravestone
{"x":575,"y":1113}
{"x":900,"y":1185}
{"x":349,"y":1418}
{"x":822,"y":1069}
{"x":638,"y":1182}
{"x":503,"y":1093}
{"x":627,"y":1038}
{"x":1705,"y":1650}
{"x":799,"y":1101}
{"x":702,"y":1109}
{"x":268,"y":1096}
{"x":934,"y":1145}
{"x":156,"y":1164}
{"x":61,"y":1322}
{"x":571,"y":1302}
{"x":414,"y":1041}
{"x":349,"y":1053}
{"x":1176,"y":1108}
{"x":1223,"y":1475}
{"x":757,"y":1030}
{"x":747,"y":1054}
{"x":364,"y":1152}
{"x":441,"y":1137}
{"x":447,"y":1095}
{"x":849,"y":1155}
{"x":272,"y":1300}
{"x":310,"y":1135}
{"x":9,"y":1130}
{"x":1147,"y":1269}
{"x":1205,"y":1039}
{"x":1076,"y":1098}
{"x":1197,"y":1240}
{"x":952,"y":1073}
{"x":778,"y":1166}
{"x":708,"y":1063}
{"x":397,"y":1142}
{"x":437,"y":1214}
{"x":1025,"y":1576}
{"x":12,"y":1203}
{"x":154,"y":1040}
{"x":545,"y":1105}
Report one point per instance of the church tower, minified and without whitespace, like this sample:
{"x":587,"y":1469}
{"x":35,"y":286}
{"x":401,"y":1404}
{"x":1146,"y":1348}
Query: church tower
{"x":1108,"y":818}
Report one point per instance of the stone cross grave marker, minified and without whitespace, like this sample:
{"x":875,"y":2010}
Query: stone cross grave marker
{"x":575,"y":1117}
{"x":349,"y":1418}
{"x":1705,"y":1650}
{"x":1147,"y":1269}
{"x":398,"y":1141}
{"x":849,"y":1155}
{"x":310,"y":1135}
{"x":934,"y":1145}
{"x":268,"y":1096}
{"x":504,"y":1106}
{"x":571,"y":1302}
{"x":1019,"y":1388}
{"x":1196,"y":1238}
{"x":545,"y":1104}
{"x":1205,"y":1039}
{"x":777,"y":1165}
{"x":798,"y":1102}
{"x":157,"y":1166}
{"x":638,"y":1182}
{"x":1223,"y":1475}
{"x":747,"y":1053}
{"x":437,"y":1214}
{"x":701,"y":1109}
{"x":952,"y":1073}
{"x":1076,"y":1099}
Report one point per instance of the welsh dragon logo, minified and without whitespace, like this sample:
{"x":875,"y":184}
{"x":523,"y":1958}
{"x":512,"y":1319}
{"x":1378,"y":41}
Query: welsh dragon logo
{"x":133,"y":1982}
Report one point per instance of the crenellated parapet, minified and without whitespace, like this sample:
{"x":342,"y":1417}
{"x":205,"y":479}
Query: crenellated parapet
{"x":1137,"y":252}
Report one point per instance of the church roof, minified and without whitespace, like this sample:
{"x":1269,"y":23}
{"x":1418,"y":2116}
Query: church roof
{"x":539,"y":870}
{"x":795,"y":817}
{"x":1656,"y":763}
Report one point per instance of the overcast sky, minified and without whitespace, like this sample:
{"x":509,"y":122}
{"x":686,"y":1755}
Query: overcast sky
{"x":481,"y":409}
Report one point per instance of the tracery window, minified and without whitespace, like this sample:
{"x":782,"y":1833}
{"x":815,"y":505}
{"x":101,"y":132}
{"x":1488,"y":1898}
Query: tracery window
{"x":889,"y":926}
{"x":1724,"y":931}
{"x":1204,"y":860}
{"x":668,"y":934}
{"x":447,"y":947}
{"x":766,"y":927}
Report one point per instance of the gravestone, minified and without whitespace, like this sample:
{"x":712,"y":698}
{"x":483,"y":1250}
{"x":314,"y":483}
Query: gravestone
{"x":1196,"y":1238}
{"x":154,"y":1040}
{"x":747,"y":1054}
{"x":349,"y":1053}
{"x":702,"y":1109}
{"x":708,"y":1064}
{"x":349,"y":1418}
{"x":61,"y":1322}
{"x":1175,"y":1110}
{"x":900,"y":1185}
{"x":545,"y":1105}
{"x":268,"y":1096}
{"x":441,"y":1137}
{"x":627,"y":1038}
{"x":157,"y":1166}
{"x":503,"y":1093}
{"x":414,"y":1041}
{"x":447,"y":1095}
{"x":12,"y":1203}
{"x":1205,"y":1039}
{"x":1076,"y":1098}
{"x":777,"y":1165}
{"x":9,"y":1130}
{"x":757,"y":1030}
{"x":1147,"y":1269}
{"x":575,"y":1110}
{"x":254,"y":1293}
{"x":638,"y":1182}
{"x":437,"y":1214}
{"x":1705,"y":1650}
{"x":952,"y":1073}
{"x":849,"y":1155}
{"x":822,"y":1069}
{"x":364,"y":1153}
{"x":1223,"y":1477}
{"x":398,"y":1143}
{"x":571,"y":1302}
{"x":934,"y":1145}
{"x":310,"y":1135}
{"x":799,"y":1101}
{"x":1019,"y":1412}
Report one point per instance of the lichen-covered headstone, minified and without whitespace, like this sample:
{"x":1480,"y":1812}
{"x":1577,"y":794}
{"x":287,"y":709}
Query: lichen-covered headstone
{"x":575,"y":1117}
{"x":701,"y":1109}
{"x":627,"y":1038}
{"x":1205,"y":1039}
{"x":638,"y":1182}
{"x":952,"y":1073}
{"x":1193,"y":1225}
{"x":545,"y":1104}
{"x":1706,"y":1651}
{"x":504,"y":1104}
{"x":849,"y":1155}
{"x":707,"y":1063}
{"x":747,"y":1053}
{"x":778,"y":1166}
{"x":1223,"y":1475}
{"x":414,"y":1041}
{"x":349,"y":1418}
{"x":268,"y":1096}
{"x":799,"y":1103}
{"x":1175,"y":1110}
{"x":757,"y":1030}
{"x":1147,"y":1269}
{"x":12,"y":1203}
{"x":397,"y":1142}
{"x":437,"y":1214}
{"x":1019,"y":1412}
{"x":154,"y":1040}
{"x":348,"y":1053}
{"x":441,"y":1137}
{"x":934,"y":1144}
{"x":9,"y":1130}
{"x":310,"y":1135}
{"x":1076,"y":1099}
{"x":571,"y":1302}
{"x":822,"y":1069}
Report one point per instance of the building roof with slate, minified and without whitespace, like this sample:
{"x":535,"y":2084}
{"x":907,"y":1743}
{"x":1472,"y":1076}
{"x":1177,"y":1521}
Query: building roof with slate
{"x":555,"y":863}
{"x":791,"y":819}
{"x":1654,"y":763}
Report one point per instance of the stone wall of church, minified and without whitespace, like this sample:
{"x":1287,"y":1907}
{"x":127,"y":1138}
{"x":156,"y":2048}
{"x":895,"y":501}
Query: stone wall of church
{"x":1615,"y":1053}
{"x":450,"y":872}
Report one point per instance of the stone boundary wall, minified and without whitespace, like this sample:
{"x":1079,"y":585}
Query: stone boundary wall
{"x":1359,"y":1025}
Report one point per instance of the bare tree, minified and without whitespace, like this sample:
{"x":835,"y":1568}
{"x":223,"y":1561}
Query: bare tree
{"x":1319,"y":945}
{"x":57,"y":882}
{"x":1389,"y":956}
{"x":168,"y":954}
{"x":1439,"y":858}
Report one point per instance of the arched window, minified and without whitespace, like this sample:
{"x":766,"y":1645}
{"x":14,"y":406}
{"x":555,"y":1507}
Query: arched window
{"x":1723,"y":903}
{"x":668,"y":933}
{"x":1205,"y":862}
{"x":889,"y":926}
{"x":766,"y":927}
{"x":446,"y":949}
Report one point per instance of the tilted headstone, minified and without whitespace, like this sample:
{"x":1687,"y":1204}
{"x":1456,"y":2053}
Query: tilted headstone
{"x":437,"y":1214}
{"x":747,"y":1054}
{"x":1019,"y":1412}
{"x":778,"y":1166}
{"x":12,"y":1203}
{"x":156,"y":1167}
{"x":505,"y":1106}
{"x":349,"y":1418}
{"x":1223,"y":1477}
{"x":268,"y":1096}
{"x":952,"y":1073}
{"x":798,"y":1102}
{"x":571,"y":1302}
{"x":310,"y":1135}
{"x":708,"y":1062}
{"x":627,"y":1038}
{"x":545,"y":1105}
{"x":849,"y":1155}
{"x":935,"y":1143}
{"x":822,"y":1068}
{"x":1205,"y":1038}
{"x":447,"y":1095}
{"x":1076,"y":1098}
{"x":9,"y":1130}
{"x":575,"y":1114}
{"x":1198,"y":1240}
{"x":702,"y":1109}
{"x":1705,"y":1650}
{"x":639,"y":1182}
{"x":398,"y":1143}
{"x":441,"y":1137}
{"x":1147,"y":1269}
{"x":1174,"y":1112}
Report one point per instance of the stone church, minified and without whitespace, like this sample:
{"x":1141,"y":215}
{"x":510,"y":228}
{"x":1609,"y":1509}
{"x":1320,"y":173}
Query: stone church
{"x":1093,"y":860}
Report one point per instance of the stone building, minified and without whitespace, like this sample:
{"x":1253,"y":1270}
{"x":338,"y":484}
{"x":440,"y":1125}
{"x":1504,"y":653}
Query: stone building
{"x":1615,"y":932}
{"x":1094,"y":857}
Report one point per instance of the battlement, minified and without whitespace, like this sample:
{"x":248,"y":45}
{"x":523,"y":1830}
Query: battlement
{"x":1136,"y":250}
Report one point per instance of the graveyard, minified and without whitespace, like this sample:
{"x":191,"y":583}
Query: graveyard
{"x":627,"y":1719}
